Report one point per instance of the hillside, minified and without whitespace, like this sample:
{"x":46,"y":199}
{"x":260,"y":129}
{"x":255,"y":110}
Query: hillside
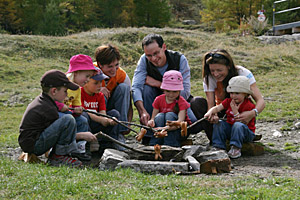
{"x":276,"y":67}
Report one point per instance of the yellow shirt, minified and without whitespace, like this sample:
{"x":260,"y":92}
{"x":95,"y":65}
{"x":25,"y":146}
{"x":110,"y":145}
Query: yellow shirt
{"x":74,"y":98}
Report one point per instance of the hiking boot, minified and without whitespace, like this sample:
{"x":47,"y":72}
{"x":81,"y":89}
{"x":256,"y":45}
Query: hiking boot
{"x":234,"y":152}
{"x":59,"y":160}
{"x":82,"y":156}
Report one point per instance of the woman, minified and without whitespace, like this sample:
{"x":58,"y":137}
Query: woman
{"x":218,"y":68}
{"x":116,"y":88}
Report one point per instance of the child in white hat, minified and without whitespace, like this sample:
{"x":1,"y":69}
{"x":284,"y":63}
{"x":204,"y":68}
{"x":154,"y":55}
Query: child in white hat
{"x":234,"y":130}
{"x":169,"y":106}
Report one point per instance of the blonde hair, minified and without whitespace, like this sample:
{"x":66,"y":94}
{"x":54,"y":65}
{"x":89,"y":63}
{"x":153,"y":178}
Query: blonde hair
{"x":70,"y":76}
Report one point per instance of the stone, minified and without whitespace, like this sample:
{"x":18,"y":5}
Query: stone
{"x":194,"y":164}
{"x":189,"y":22}
{"x":111,"y":158}
{"x":167,"y":153}
{"x":252,"y":149}
{"x":154,"y":167}
{"x":193,"y":150}
{"x":211,"y":155}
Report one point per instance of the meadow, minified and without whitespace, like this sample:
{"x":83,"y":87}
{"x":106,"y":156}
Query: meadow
{"x":24,"y":58}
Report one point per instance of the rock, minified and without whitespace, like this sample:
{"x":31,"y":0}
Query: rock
{"x":193,"y":150}
{"x":252,"y":149}
{"x":156,"y":167}
{"x":297,"y":125}
{"x":111,"y":158}
{"x":277,"y":133}
{"x":189,"y":22}
{"x":211,"y":155}
{"x":194,"y":164}
{"x":167,"y":153}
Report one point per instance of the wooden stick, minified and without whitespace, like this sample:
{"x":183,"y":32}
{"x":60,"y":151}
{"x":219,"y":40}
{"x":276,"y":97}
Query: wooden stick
{"x":196,"y":122}
{"x":101,"y":134}
{"x":107,"y":116}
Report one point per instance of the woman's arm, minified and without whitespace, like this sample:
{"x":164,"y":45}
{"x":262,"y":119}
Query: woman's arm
{"x":246,"y":116}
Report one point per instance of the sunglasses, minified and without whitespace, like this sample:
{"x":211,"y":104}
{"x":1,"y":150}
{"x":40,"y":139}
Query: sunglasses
{"x":216,"y":55}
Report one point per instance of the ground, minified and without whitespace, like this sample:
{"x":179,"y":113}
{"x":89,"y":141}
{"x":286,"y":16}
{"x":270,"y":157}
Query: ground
{"x":281,"y":157}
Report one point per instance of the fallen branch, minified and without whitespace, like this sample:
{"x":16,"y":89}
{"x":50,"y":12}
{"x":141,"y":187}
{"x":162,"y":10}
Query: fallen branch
{"x":101,"y":134}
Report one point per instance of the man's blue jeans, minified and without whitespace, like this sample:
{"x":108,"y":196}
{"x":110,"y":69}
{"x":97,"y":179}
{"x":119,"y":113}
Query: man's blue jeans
{"x":120,"y":100}
{"x":237,"y":134}
{"x":174,"y":137}
{"x":60,"y":136}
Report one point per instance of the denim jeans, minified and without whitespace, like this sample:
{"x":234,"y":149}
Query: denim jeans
{"x":237,"y":134}
{"x":174,"y":137}
{"x":112,"y":131}
{"x":60,"y":136}
{"x":120,"y":100}
{"x":149,"y":94}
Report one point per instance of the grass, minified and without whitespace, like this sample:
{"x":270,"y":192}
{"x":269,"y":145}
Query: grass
{"x":24,"y":58}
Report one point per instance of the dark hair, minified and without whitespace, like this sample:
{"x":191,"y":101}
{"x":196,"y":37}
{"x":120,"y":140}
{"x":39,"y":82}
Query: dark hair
{"x":106,"y":54}
{"x":46,"y":89}
{"x":218,"y":56}
{"x":150,"y":38}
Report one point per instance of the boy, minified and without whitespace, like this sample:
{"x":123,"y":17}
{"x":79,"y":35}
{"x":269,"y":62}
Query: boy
{"x":233,"y":129}
{"x":41,"y":128}
{"x":92,"y":99}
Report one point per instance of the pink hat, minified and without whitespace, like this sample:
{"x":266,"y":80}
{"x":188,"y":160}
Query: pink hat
{"x":172,"y":80}
{"x":81,"y":62}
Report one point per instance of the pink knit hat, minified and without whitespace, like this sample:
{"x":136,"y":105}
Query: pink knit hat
{"x":81,"y":62}
{"x":172,"y":80}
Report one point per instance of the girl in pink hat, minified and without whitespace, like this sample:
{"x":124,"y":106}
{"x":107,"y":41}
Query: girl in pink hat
{"x":81,"y":68}
{"x":169,"y":106}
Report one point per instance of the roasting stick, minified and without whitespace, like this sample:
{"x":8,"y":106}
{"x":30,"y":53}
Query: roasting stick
{"x":107,"y":116}
{"x":101,"y":134}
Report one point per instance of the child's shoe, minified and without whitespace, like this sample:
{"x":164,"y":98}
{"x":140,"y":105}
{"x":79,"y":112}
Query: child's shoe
{"x":82,"y":156}
{"x":59,"y":160}
{"x":234,"y":152}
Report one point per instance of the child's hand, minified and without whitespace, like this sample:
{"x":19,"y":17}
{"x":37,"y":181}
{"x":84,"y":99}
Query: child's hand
{"x":111,"y":122}
{"x":234,"y":107}
{"x":64,"y":108}
{"x":78,"y":110}
{"x":151,"y":123}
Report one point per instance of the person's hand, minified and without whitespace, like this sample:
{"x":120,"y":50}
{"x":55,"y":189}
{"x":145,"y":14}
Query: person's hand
{"x":234,"y":107}
{"x":245,"y":117}
{"x":105,"y":91}
{"x":65,"y":108}
{"x":111,"y":122}
{"x":87,"y":136}
{"x":144,"y":118}
{"x":151,"y":123}
{"x":78,"y":110}
{"x":213,"y":119}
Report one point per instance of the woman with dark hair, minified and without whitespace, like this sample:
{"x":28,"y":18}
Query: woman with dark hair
{"x":217,"y":69}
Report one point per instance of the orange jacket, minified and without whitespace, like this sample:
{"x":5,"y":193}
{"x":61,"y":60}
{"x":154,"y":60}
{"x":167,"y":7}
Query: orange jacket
{"x":114,"y":81}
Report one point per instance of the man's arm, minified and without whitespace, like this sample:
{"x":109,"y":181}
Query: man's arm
{"x":139,"y":79}
{"x":186,"y":75}
{"x":144,"y":115}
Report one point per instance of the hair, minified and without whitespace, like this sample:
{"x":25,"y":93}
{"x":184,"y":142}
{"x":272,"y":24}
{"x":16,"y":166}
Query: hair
{"x":151,"y":38}
{"x":46,"y":89}
{"x":70,"y":76}
{"x":225,"y":60}
{"x":106,"y":54}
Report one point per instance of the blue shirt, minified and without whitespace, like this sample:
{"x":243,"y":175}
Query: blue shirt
{"x":140,"y":75}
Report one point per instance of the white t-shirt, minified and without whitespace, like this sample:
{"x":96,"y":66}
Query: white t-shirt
{"x":242,"y":71}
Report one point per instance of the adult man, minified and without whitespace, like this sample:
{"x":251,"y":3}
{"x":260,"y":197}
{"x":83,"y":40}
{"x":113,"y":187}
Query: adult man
{"x":116,"y":89}
{"x":147,"y":78}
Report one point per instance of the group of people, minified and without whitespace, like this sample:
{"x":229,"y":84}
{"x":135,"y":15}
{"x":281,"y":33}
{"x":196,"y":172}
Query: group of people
{"x":57,"y":120}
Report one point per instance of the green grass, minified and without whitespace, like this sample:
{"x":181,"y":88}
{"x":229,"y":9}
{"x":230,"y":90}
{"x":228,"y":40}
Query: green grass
{"x":24,"y":58}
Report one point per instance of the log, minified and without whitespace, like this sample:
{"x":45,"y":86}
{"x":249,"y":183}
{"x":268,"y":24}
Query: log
{"x":216,"y":166}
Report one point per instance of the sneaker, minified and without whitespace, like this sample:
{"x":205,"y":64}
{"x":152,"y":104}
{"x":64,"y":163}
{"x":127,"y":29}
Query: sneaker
{"x":59,"y":160}
{"x":82,"y":156}
{"x":234,"y":152}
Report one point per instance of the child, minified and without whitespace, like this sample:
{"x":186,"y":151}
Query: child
{"x":41,"y":128}
{"x":169,"y":106}
{"x":92,"y":99}
{"x":233,"y":129}
{"x":80,"y":69}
